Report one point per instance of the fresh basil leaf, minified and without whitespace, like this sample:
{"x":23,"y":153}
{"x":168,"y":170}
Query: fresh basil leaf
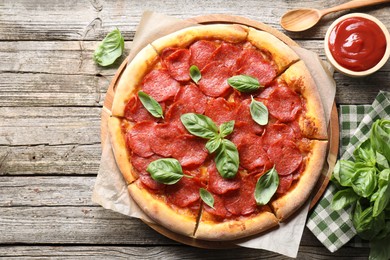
{"x":259,"y":112}
{"x":166,"y":170}
{"x":266,"y":187}
{"x":207,"y":197}
{"x":381,"y":161}
{"x":383,"y":197}
{"x":110,"y":48}
{"x":150,"y":104}
{"x":195,"y":74}
{"x":344,"y":198}
{"x":199,"y":125}
{"x":226,"y":128}
{"x":364,"y":181}
{"x":244,"y":83}
{"x":213,"y":144}
{"x":343,"y":172}
{"x":380,"y":137}
{"x":364,"y":154}
{"x":227,"y":159}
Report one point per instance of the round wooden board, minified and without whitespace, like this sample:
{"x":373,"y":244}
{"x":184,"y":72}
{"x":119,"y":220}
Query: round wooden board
{"x":333,"y":128}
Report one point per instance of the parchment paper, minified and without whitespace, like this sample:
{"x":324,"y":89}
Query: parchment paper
{"x":110,"y":190}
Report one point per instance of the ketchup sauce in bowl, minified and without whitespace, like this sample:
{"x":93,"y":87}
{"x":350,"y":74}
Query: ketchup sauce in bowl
{"x":357,"y":44}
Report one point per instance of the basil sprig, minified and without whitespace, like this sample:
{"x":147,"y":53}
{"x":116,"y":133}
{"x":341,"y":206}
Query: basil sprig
{"x":259,"y":112}
{"x":266,"y":187}
{"x":166,"y":170}
{"x":227,"y":158}
{"x":244,"y":83}
{"x":207,"y":197}
{"x":150,"y":104}
{"x":110,"y":48}
{"x":195,"y":74}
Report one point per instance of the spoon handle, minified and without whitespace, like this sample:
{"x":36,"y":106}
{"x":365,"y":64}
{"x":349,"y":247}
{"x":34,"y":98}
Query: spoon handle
{"x":353,"y":4}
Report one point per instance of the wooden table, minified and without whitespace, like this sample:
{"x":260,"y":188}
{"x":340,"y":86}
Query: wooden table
{"x":51,"y":97}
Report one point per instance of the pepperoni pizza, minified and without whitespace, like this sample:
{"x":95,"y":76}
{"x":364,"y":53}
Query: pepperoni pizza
{"x":189,"y":145}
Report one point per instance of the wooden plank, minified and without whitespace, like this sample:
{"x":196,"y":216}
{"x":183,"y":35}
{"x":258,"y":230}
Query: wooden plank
{"x":50,"y":159}
{"x":83,"y":225}
{"x":63,"y":58}
{"x":46,"y":191}
{"x":170,"y":252}
{"x":77,"y":20}
{"x":50,"y":126}
{"x":73,"y":225}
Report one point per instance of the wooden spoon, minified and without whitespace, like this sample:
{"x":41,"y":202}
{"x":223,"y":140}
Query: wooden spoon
{"x":302,"y":19}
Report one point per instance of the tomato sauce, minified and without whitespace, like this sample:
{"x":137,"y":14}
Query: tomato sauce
{"x":357,"y":43}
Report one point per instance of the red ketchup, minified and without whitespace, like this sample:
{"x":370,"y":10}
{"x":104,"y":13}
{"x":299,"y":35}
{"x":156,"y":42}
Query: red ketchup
{"x":357,"y":43}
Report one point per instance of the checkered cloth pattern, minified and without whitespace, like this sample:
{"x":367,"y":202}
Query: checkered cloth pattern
{"x":334,"y":229}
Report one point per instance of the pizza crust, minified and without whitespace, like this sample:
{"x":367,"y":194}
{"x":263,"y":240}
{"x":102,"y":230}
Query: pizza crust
{"x":281,"y":53}
{"x":181,"y":221}
{"x":235,"y":229}
{"x":313,"y":123}
{"x":118,"y":143}
{"x":183,"y":38}
{"x":290,"y":202}
{"x":132,"y":78}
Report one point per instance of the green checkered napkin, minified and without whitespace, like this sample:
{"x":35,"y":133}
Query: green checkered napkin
{"x":334,"y":228}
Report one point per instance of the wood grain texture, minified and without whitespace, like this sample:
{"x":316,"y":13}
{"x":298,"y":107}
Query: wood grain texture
{"x":51,"y":96}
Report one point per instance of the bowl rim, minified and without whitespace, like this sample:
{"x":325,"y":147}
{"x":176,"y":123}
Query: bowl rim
{"x":340,"y":68}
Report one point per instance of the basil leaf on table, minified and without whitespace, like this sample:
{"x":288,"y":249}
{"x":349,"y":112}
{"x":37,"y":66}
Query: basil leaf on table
{"x":244,"y":83}
{"x":266,"y":187}
{"x":365,"y":154}
{"x":110,"y":48}
{"x":343,"y":172}
{"x":227,"y":159}
{"x":207,"y":197}
{"x":166,"y":170}
{"x":195,"y":74}
{"x":259,"y":112}
{"x":226,"y":128}
{"x":383,"y":197}
{"x":344,"y":198}
{"x":364,"y":181}
{"x":153,"y":107}
{"x":199,"y":125}
{"x":380,"y":137}
{"x":213,"y":144}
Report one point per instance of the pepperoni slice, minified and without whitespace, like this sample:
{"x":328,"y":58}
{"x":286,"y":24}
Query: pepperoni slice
{"x":183,"y":193}
{"x":214,"y":80}
{"x":219,"y":209}
{"x":244,"y":115}
{"x":256,"y":64}
{"x":138,"y":138}
{"x":176,"y":110}
{"x":142,"y":163}
{"x":190,"y":151}
{"x":252,"y":155}
{"x":218,"y":184}
{"x":201,"y":52}
{"x":192,"y":95}
{"x":284,"y":104}
{"x":163,"y":142}
{"x":148,"y":181}
{"x":160,"y":85}
{"x":285,"y":182}
{"x":276,"y":132}
{"x":227,"y":54}
{"x":285,"y":155}
{"x":178,"y":64}
{"x":242,"y":202}
{"x":220,"y":110}
{"x":136,"y":112}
